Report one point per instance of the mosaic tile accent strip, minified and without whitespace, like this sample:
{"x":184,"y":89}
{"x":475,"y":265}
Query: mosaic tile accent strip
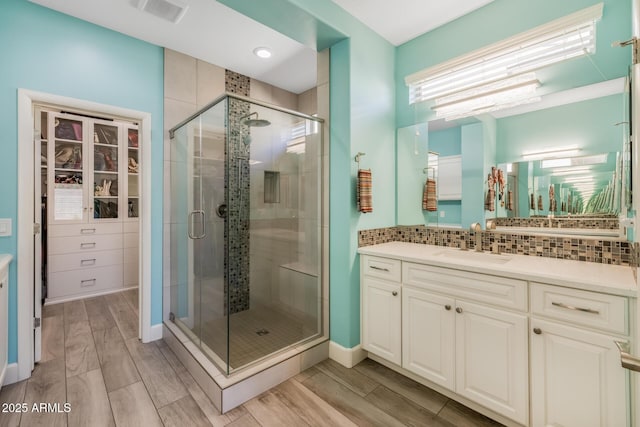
{"x":615,"y":252}
{"x":237,"y":83}
{"x":560,"y":222}
{"x":237,"y":197}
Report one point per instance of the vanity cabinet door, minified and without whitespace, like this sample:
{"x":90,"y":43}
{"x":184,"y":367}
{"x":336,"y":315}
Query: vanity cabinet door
{"x":576,"y":378}
{"x":491,"y":359}
{"x":381,"y":322}
{"x":428,"y":336}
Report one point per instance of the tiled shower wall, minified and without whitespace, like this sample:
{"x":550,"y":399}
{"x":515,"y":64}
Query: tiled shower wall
{"x":616,"y":252}
{"x":191,"y":84}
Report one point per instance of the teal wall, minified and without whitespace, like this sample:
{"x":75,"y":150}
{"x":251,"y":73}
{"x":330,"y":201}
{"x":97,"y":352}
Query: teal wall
{"x":473,"y":173}
{"x":50,"y":52}
{"x":589,"y":124}
{"x":411,"y":155}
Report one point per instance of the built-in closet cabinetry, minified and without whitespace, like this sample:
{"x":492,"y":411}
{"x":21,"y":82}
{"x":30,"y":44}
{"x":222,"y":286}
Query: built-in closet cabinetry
{"x":535,"y":354}
{"x":4,"y":315}
{"x":92,"y":188}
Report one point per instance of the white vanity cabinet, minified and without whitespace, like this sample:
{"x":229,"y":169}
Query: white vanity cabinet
{"x":381,"y":308}
{"x":492,"y":335}
{"x":476,"y":350}
{"x":576,"y":378}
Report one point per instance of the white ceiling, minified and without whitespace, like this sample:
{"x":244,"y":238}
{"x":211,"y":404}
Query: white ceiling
{"x":208,"y":31}
{"x":399,"y":21}
{"x":219,"y":35}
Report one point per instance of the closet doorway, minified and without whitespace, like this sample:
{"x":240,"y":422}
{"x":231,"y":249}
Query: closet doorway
{"x":83,"y":211}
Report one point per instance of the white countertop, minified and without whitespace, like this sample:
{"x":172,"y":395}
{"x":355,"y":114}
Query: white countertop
{"x":5,"y":259}
{"x":611,"y":279}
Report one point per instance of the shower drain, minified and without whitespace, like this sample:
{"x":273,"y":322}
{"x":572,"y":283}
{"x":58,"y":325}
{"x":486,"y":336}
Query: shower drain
{"x":262,"y":332}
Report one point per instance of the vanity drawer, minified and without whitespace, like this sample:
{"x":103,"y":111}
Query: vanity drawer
{"x":601,"y":311}
{"x":499,"y":291}
{"x":64,"y":262}
{"x":67,"y":230}
{"x":67,"y":245}
{"x":69,"y":283}
{"x":384,"y":268}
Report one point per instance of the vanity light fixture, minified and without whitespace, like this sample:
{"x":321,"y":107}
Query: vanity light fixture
{"x":560,"y":154}
{"x":568,"y":37}
{"x":262,"y":52}
{"x":489,"y":97}
{"x":574,"y":161}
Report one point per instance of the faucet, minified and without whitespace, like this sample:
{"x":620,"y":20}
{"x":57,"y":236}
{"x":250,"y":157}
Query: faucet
{"x":477,"y":229}
{"x":495,"y":248}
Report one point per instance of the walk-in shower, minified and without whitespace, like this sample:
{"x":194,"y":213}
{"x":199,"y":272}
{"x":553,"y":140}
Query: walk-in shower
{"x":245,"y":231}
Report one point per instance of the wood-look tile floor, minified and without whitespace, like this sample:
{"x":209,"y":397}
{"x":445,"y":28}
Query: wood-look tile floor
{"x":92,"y":360}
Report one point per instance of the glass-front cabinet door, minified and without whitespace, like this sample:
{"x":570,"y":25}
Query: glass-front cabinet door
{"x":67,"y":169}
{"x":104,"y":188}
{"x":92,"y":168}
{"x":133,"y":171}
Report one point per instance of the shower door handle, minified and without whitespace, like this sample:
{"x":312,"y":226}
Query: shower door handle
{"x":192,"y":235}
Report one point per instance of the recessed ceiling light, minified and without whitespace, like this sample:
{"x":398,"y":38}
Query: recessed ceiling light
{"x":262,"y":52}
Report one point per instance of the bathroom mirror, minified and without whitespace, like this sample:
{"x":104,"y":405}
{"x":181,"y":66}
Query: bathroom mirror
{"x":580,"y":104}
{"x":590,"y":178}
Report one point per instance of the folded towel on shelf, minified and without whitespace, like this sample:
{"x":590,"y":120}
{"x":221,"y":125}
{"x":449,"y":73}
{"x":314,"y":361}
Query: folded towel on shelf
{"x":429,"y":198}
{"x":364,"y":200}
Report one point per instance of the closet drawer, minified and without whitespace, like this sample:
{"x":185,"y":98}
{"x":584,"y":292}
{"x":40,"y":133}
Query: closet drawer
{"x":500,"y":291}
{"x":84,"y":261}
{"x":131,"y":240}
{"x":68,"y":283}
{"x":601,"y":311}
{"x":131,"y":227}
{"x":80,"y":244}
{"x":67,"y":230}
{"x":384,"y":268}
{"x":130,"y":274}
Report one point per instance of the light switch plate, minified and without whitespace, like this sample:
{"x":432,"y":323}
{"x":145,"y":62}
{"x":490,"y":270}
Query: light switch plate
{"x":5,"y":227}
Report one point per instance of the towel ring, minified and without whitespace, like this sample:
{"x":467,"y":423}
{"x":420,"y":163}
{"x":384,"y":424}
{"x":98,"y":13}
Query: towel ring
{"x":358,"y":156}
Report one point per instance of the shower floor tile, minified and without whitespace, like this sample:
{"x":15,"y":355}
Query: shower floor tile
{"x":253,"y":334}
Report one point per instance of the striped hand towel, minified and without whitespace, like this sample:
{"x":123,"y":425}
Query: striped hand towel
{"x":429,"y":201}
{"x":364,"y":200}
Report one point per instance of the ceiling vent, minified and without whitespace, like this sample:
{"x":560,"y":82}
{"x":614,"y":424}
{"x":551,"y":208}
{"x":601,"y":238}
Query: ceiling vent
{"x":171,"y":11}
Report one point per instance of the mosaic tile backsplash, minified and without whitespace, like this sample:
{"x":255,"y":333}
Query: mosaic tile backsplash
{"x":616,"y":252}
{"x":560,"y":222}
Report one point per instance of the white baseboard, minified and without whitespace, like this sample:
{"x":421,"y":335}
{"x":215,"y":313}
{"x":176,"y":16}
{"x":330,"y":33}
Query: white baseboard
{"x":11,"y":374}
{"x":347,"y":357}
{"x":155,"y":333}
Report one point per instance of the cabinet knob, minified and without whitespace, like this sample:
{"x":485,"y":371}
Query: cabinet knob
{"x":447,"y":307}
{"x":458,"y":309}
{"x":537,"y":331}
{"x":394,"y":293}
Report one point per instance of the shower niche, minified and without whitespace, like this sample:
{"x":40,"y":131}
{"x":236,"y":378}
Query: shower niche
{"x":245,"y":240}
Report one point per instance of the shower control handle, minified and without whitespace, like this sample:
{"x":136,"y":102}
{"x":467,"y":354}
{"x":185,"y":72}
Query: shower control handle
{"x":221,"y":210}
{"x":192,"y":235}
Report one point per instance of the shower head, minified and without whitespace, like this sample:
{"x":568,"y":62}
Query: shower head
{"x":257,"y":122}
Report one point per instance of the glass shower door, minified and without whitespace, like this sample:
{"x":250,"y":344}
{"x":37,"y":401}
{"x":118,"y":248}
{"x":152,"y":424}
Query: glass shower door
{"x":197,"y":237}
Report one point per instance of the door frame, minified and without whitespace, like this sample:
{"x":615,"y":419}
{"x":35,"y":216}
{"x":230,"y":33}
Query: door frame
{"x":26,"y":175}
